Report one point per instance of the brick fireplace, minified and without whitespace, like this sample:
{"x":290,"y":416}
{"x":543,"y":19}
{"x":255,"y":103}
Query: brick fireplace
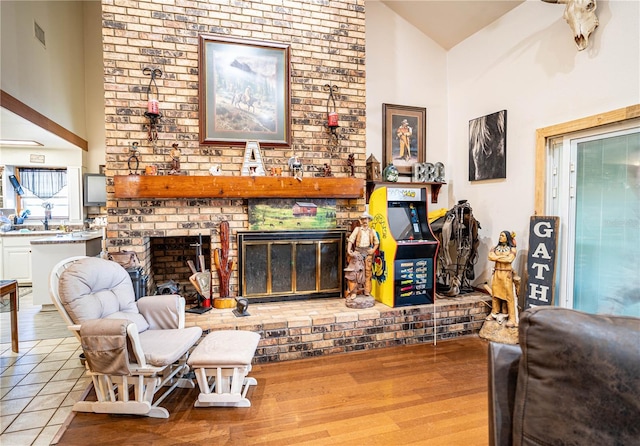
{"x":157,"y":35}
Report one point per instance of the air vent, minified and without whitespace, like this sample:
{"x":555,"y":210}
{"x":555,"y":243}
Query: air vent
{"x":39,"y":32}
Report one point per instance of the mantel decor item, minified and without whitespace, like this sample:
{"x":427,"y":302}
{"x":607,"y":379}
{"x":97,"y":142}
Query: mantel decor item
{"x":390,"y":173}
{"x":404,"y":130}
{"x":252,"y":165}
{"x":373,"y":169}
{"x":244,"y":92}
{"x":133,"y":163}
{"x":175,"y":155}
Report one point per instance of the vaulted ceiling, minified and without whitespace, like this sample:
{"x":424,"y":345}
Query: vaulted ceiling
{"x":447,"y":22}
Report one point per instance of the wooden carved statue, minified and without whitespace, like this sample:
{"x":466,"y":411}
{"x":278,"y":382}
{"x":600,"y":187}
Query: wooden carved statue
{"x":175,"y":159}
{"x":504,"y":280}
{"x":361,"y":245}
{"x":223,"y":264}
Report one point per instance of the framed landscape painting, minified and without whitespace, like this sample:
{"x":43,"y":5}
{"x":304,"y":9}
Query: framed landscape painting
{"x":243,"y":92}
{"x":404,"y":130}
{"x":289,"y":214}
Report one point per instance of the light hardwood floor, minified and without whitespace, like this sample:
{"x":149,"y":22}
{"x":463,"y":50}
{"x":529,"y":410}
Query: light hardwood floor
{"x":35,"y":322}
{"x":418,"y":394}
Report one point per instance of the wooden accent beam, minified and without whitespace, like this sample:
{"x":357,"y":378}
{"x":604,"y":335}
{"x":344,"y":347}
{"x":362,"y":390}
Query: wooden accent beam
{"x":177,"y":186}
{"x":23,"y":110}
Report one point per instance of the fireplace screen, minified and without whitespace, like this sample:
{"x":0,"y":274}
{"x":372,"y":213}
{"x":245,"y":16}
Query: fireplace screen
{"x":287,"y":265}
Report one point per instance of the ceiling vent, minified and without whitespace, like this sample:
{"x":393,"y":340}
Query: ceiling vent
{"x":39,"y":32}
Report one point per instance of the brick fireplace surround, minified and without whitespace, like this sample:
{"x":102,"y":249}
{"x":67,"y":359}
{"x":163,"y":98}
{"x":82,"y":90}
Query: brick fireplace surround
{"x":326,"y":40}
{"x":326,"y":43}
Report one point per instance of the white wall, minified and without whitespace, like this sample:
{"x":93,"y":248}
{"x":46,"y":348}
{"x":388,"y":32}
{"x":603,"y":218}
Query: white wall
{"x":94,"y":86}
{"x":405,"y":67}
{"x":48,"y":79}
{"x":63,"y":81}
{"x":527,"y":63}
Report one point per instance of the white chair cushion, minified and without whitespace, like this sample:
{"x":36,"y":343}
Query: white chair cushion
{"x":164,"y":347}
{"x":163,"y":311}
{"x":225,"y":347}
{"x":94,"y":288}
{"x":136,"y":318}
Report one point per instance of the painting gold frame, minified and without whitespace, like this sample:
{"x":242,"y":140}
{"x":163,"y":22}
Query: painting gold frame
{"x":393,"y":117}
{"x":244,"y":92}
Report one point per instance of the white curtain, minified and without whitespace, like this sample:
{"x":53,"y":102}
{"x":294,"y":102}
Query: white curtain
{"x":44,"y":183}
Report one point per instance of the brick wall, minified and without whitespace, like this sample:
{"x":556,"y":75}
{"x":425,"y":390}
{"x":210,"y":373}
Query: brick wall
{"x":327,"y":45}
{"x":324,"y":333}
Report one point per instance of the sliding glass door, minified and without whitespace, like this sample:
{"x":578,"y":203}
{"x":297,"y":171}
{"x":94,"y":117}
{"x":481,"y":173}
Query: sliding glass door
{"x":595,"y":189}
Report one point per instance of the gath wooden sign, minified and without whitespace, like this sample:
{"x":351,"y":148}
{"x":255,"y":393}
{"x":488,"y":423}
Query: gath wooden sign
{"x":541,"y":262}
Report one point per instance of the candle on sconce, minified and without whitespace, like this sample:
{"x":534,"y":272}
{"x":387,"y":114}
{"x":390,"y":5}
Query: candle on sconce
{"x":153,"y":106}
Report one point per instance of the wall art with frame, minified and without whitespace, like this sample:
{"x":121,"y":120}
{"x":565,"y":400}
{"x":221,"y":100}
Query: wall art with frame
{"x":404,"y":130}
{"x":243,"y":92}
{"x":488,"y":147}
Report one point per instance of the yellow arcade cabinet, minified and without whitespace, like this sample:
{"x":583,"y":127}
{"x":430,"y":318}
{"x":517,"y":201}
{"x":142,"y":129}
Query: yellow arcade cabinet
{"x":404,"y":267}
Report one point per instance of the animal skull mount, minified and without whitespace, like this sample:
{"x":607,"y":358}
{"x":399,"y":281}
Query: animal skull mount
{"x":581,"y":17}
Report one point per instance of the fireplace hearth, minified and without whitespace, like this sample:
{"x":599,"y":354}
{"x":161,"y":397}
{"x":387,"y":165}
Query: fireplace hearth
{"x":290,"y":265}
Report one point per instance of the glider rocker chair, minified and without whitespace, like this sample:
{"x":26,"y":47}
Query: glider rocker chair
{"x":132,"y":349}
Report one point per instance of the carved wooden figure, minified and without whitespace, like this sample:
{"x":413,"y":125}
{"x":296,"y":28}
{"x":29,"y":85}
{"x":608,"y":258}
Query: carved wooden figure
{"x":224,"y":265}
{"x":504,"y":282}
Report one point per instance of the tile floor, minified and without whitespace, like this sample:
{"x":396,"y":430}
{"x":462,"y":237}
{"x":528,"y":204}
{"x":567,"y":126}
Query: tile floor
{"x":40,"y":384}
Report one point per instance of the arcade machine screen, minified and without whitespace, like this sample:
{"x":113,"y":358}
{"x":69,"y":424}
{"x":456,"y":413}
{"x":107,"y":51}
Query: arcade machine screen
{"x":413,"y":267}
{"x":403,"y":221}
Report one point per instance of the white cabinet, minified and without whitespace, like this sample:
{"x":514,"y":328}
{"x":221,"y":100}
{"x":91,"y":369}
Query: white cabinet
{"x":17,"y":264}
{"x":16,"y":258}
{"x":48,"y":252}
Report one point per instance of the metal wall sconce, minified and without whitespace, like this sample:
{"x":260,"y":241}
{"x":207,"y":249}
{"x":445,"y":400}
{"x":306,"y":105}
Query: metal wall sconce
{"x":134,"y":159}
{"x":332,"y":115}
{"x":153,"y":104}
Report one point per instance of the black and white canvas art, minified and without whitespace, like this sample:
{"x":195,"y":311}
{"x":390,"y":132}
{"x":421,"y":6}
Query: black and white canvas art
{"x":488,"y":147}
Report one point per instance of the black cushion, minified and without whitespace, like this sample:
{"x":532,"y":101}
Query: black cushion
{"x":578,"y":379}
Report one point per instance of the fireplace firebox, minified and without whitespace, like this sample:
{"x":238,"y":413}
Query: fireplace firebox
{"x":290,"y":265}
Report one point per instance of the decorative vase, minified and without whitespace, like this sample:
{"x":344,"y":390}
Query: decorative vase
{"x":390,"y":173}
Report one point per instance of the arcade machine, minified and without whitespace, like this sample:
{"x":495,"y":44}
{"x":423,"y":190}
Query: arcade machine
{"x":404,"y":270}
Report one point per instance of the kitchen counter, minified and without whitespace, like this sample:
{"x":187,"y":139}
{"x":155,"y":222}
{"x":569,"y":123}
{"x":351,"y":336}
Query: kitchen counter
{"x":17,"y":233}
{"x":69,"y":237}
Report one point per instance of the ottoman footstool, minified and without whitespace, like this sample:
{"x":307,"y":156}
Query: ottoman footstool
{"x":221,"y":362}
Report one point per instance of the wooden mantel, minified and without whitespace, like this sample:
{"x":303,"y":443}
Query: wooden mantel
{"x":178,"y":186}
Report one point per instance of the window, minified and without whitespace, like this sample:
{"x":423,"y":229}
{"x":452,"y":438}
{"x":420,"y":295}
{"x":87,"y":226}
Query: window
{"x":44,"y":189}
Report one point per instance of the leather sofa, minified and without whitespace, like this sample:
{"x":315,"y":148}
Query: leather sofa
{"x":573,"y":380}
